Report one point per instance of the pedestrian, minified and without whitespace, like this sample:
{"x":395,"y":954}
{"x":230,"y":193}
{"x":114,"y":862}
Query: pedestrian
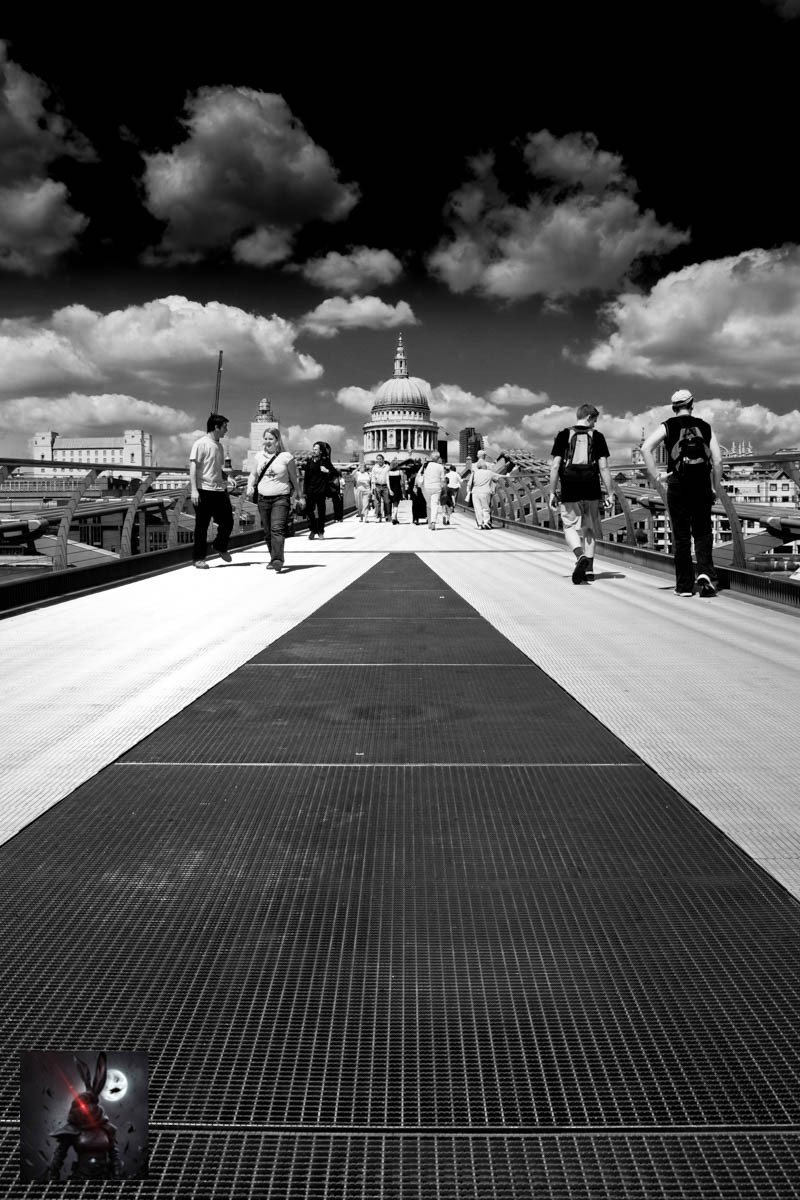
{"x":419,"y":509}
{"x":273,"y":481}
{"x":380,"y":487}
{"x":430,"y":481}
{"x":209,"y":491}
{"x":362,"y":484}
{"x":580,"y":458}
{"x":319,"y":478}
{"x":335,"y":488}
{"x":480,"y":489}
{"x":453,"y":480}
{"x":694,"y":472}
{"x":397,"y":488}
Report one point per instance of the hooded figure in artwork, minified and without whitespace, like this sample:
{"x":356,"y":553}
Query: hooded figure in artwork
{"x":87,"y":1131}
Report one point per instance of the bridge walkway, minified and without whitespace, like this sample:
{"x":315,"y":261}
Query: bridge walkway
{"x":416,"y":870}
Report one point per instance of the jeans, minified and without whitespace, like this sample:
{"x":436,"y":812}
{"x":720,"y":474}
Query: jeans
{"x":218,"y":506}
{"x":382,"y":503}
{"x":690,"y":516}
{"x":274,"y":513}
{"x":315,"y":511}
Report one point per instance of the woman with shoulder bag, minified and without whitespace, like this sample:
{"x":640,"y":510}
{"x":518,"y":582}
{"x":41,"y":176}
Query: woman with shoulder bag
{"x":271,"y":483}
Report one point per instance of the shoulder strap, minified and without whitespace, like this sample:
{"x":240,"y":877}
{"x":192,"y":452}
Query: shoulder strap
{"x":264,"y":470}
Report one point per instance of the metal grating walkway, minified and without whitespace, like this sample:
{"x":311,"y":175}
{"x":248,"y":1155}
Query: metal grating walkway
{"x":394,"y":916}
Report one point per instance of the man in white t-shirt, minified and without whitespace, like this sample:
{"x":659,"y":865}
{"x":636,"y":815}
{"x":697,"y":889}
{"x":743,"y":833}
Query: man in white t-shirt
{"x":380,"y":487}
{"x":210,"y":490}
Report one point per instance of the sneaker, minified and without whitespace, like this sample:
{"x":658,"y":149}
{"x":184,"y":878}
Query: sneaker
{"x":202,"y":565}
{"x":706,"y":585}
{"x":677,"y":593}
{"x":225,"y":556}
{"x":581,"y":567}
{"x":276,"y":567}
{"x":321,"y":535}
{"x":311,"y":537}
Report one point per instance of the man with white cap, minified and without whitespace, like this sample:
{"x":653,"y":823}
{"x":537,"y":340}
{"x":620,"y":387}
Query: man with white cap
{"x":694,"y":464}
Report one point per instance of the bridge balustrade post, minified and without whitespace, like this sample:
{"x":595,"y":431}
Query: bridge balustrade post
{"x":61,"y":556}
{"x":630,"y":531}
{"x":739,"y":552}
{"x":240,"y":503}
{"x":793,"y":471}
{"x":130,"y":516}
{"x":175,"y":515}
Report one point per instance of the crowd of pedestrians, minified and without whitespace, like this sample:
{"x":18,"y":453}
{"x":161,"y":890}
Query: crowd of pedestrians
{"x":579,"y":466}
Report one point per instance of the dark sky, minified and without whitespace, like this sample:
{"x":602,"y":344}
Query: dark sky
{"x":695,"y":102}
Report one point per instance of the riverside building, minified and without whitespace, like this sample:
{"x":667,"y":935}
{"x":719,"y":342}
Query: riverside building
{"x":131,"y":449}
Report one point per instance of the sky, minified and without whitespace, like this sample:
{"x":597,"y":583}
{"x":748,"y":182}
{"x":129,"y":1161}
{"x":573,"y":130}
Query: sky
{"x":598,"y":205}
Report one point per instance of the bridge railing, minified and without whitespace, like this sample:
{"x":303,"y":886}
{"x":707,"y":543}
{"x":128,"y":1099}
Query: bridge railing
{"x":522,"y":500}
{"x":155,"y":531}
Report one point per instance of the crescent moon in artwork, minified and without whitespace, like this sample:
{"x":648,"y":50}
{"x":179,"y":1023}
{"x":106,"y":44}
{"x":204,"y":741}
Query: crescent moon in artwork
{"x":116,"y":1086}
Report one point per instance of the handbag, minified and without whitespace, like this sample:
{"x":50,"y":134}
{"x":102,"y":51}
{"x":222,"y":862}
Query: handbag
{"x":253,"y":497}
{"x":332,"y":489}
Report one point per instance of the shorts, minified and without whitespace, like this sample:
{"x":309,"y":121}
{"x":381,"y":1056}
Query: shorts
{"x":579,"y":514}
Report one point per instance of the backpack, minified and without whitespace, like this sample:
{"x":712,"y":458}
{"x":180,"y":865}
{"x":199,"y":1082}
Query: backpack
{"x":579,"y":463}
{"x":691,"y":454}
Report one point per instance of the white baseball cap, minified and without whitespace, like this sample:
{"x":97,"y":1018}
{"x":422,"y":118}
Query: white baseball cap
{"x":681,"y":397}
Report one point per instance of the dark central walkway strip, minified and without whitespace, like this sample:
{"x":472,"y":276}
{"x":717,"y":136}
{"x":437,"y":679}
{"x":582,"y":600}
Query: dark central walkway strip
{"x":460,"y":942}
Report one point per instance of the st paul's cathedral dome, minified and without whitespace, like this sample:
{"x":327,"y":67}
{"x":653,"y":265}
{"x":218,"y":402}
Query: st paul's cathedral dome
{"x":400,"y":422}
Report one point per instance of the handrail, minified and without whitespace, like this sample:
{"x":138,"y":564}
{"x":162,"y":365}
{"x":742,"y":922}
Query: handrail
{"x":522,"y":499}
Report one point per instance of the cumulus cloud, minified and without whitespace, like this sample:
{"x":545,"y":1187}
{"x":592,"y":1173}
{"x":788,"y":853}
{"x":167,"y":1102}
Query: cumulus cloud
{"x":359,"y":312}
{"x":245,"y":180}
{"x":581,"y":231}
{"x":161,"y":346}
{"x":731,"y":321}
{"x":575,"y":161}
{"x":511,"y":395}
{"x":263,"y":247}
{"x":356,"y":399}
{"x":37,"y":223}
{"x":785,"y":8}
{"x":85,"y":413}
{"x":453,"y":406}
{"x":77,"y":413}
{"x":360,"y":268}
{"x":300,"y":438}
{"x":732,"y":420}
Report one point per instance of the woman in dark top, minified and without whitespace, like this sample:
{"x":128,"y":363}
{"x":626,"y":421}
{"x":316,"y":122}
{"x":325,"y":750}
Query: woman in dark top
{"x":319,"y":479}
{"x":397,"y":483}
{"x":419,"y":509}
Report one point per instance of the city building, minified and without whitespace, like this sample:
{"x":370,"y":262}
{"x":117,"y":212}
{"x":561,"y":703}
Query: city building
{"x":469,"y":443}
{"x":264,"y":418}
{"x":133,"y":449}
{"x":747,"y":485}
{"x":400,"y":422}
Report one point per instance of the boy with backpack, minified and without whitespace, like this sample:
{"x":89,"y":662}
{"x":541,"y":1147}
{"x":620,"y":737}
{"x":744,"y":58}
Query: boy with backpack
{"x":580,"y":458}
{"x":694,"y":460}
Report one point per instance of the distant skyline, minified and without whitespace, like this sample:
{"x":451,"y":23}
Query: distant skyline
{"x":599,"y":208}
